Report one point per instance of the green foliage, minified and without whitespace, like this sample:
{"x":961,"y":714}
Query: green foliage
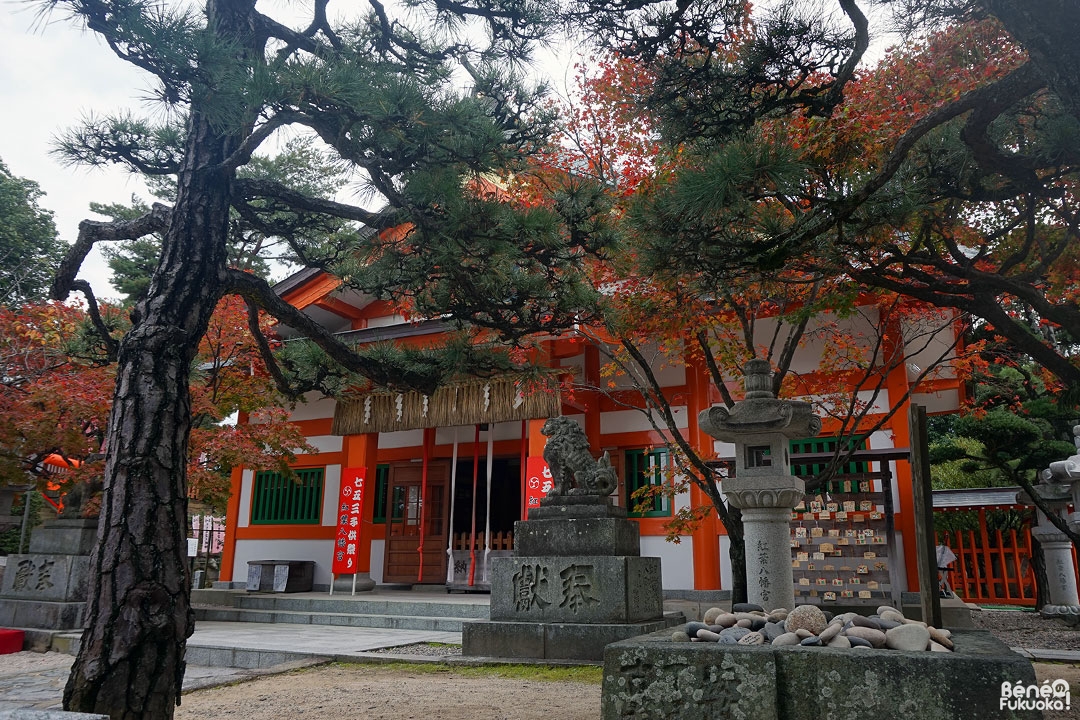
{"x":9,"y":539}
{"x":29,"y":246}
{"x":965,"y":520}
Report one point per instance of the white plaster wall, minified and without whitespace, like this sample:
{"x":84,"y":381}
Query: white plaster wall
{"x":620,"y":421}
{"x":246,"y":481}
{"x":725,"y":563}
{"x":878,"y":403}
{"x":938,"y":402}
{"x":676,"y":561}
{"x":321,"y":551}
{"x":331,"y":490}
{"x":668,"y":371}
{"x":401,"y":439}
{"x":378,"y":552}
{"x":325,"y":443}
{"x":386,"y":320}
{"x":465,"y":433}
{"x":315,"y":407}
{"x":926,"y":341}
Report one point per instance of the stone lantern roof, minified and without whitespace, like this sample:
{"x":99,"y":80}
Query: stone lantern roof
{"x":760,"y":411}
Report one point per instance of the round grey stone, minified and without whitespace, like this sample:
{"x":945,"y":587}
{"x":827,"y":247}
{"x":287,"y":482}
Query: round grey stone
{"x":726,"y":619}
{"x":895,"y":616}
{"x":779,"y":615}
{"x":786,"y":639}
{"x":746,"y":607}
{"x":875,"y":637}
{"x":803,"y":633}
{"x":857,"y":641}
{"x":745,"y":623}
{"x":908,"y":637}
{"x":772,"y":630}
{"x":830,"y":631}
{"x":860,"y":621}
{"x":710,"y":616}
{"x":839,"y":642}
{"x":693,"y":627}
{"x":679,"y":636}
{"x":886,"y":624}
{"x":708,"y":635}
{"x":753,"y":638}
{"x":812,"y":641}
{"x":734,"y":633}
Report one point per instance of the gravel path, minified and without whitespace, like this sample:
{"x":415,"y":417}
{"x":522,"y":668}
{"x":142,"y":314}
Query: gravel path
{"x":377,"y":692}
{"x":1017,"y":628}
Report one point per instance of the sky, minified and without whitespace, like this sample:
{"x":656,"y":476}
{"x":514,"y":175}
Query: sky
{"x":52,"y":74}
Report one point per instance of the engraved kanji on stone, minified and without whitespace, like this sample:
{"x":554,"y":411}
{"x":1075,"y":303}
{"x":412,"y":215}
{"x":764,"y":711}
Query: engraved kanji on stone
{"x":44,"y":579}
{"x":530,"y":582}
{"x":22,"y":575}
{"x":577,"y":586}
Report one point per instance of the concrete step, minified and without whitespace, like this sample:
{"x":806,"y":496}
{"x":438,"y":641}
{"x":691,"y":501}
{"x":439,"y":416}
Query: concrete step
{"x":373,"y":605}
{"x":344,"y":618}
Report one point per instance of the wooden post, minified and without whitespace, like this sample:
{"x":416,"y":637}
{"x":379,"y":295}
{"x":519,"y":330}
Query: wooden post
{"x":926,"y":552}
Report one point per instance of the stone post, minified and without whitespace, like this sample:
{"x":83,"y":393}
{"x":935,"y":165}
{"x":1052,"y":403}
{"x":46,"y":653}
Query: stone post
{"x":763,"y":487}
{"x":1059,"y":485}
{"x":1060,"y":573}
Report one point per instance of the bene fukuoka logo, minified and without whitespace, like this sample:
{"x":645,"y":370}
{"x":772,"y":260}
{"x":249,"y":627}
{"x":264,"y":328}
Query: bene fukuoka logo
{"x":1051,"y":695}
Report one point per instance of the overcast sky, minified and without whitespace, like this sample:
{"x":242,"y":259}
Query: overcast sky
{"x":51,"y":75}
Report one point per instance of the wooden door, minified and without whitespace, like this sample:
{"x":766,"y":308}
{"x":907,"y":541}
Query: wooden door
{"x":402,"y":557}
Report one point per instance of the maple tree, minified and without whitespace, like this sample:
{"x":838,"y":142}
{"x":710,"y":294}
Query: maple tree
{"x":58,"y":392}
{"x":667,"y":296}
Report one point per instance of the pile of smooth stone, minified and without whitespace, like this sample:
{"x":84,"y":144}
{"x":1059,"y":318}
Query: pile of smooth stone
{"x":810,"y":626}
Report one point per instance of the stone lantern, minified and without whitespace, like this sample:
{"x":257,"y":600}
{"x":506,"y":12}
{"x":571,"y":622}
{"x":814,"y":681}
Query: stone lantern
{"x":763,"y":488}
{"x":1059,"y":487}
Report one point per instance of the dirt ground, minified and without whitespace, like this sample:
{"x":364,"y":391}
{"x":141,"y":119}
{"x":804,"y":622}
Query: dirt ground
{"x":382,"y":693}
{"x":376,"y":692}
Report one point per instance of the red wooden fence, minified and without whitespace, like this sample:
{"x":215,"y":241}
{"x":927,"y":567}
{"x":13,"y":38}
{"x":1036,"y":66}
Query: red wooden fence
{"x":992,"y":566}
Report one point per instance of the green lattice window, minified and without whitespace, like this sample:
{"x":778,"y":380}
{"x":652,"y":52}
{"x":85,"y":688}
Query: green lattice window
{"x":647,"y":468}
{"x":280,"y":500}
{"x":825,"y":445}
{"x":382,"y":481}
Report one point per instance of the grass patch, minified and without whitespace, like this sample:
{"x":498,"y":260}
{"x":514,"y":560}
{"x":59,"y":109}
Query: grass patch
{"x":589,"y":674}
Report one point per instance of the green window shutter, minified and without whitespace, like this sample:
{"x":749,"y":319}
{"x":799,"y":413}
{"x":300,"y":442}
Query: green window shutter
{"x":278,"y":500}
{"x":382,"y":481}
{"x":826,"y":445}
{"x":647,"y":468}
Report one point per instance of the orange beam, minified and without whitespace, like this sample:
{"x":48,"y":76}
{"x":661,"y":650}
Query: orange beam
{"x":315,"y":289}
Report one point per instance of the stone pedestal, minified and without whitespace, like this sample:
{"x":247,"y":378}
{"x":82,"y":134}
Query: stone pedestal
{"x":575,"y":583}
{"x":1060,"y":574}
{"x":46,"y":588}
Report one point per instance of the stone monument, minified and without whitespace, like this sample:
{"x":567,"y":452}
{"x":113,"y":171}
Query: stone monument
{"x":576,"y":580}
{"x":44,"y":591}
{"x":763,"y":487}
{"x":1059,"y":486}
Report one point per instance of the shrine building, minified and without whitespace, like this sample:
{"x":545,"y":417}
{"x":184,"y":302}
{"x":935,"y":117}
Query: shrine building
{"x":445,"y":477}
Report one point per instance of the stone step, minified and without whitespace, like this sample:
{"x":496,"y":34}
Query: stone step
{"x":349,"y":605}
{"x":349,"y":619}
{"x":400,"y":603}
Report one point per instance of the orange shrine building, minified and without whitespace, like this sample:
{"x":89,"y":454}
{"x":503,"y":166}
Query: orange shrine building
{"x":445,"y":477}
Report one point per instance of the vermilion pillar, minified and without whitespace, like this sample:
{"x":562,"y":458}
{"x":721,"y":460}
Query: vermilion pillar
{"x":706,"y":541}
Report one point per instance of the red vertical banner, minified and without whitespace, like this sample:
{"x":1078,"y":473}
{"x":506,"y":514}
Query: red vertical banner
{"x":537,"y":484}
{"x":350,"y":510}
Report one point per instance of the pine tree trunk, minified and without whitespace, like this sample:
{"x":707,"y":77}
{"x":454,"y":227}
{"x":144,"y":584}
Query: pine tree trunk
{"x":131,"y":660}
